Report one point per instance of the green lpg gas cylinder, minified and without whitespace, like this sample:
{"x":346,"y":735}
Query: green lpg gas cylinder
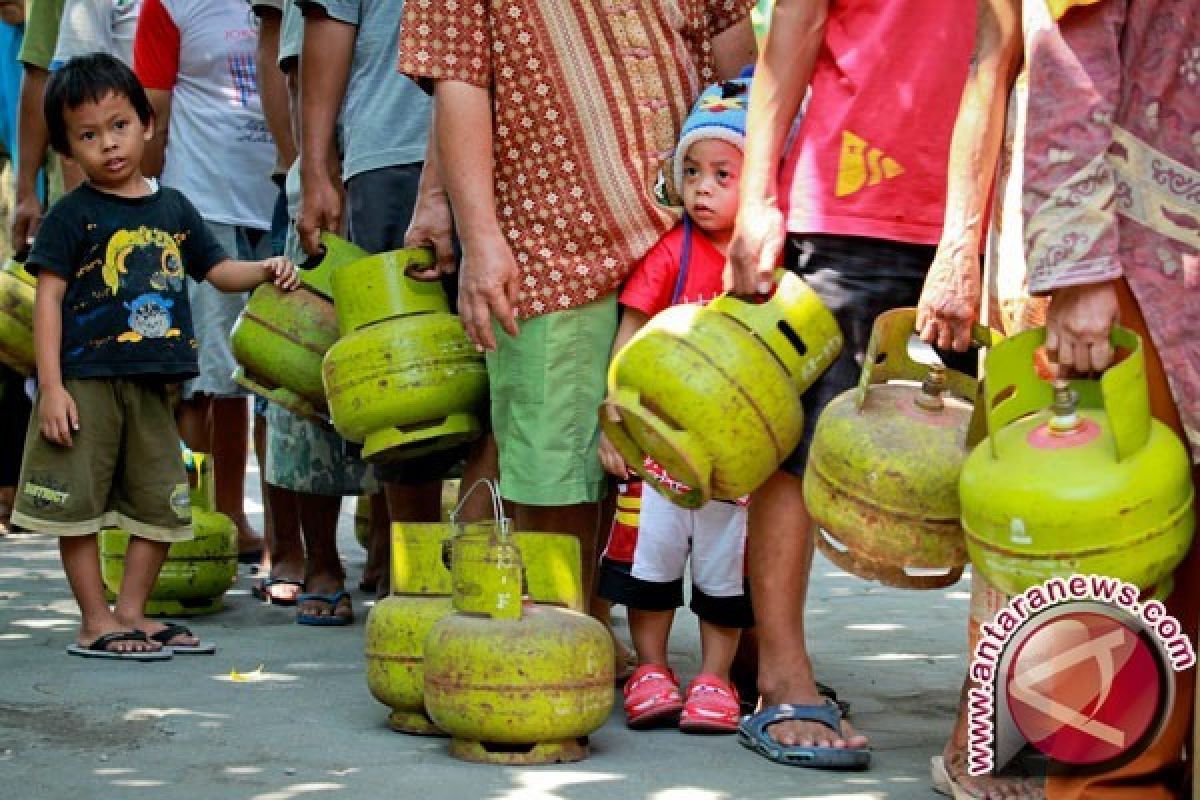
{"x":1074,"y":477}
{"x":712,"y":393}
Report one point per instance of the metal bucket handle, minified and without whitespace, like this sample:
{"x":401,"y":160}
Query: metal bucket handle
{"x":1013,"y":389}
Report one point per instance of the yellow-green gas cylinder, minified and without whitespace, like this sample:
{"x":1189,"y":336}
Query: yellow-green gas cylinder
{"x":511,"y":681}
{"x":16,"y":317}
{"x":404,"y":380}
{"x":712,"y":393}
{"x":399,"y":624}
{"x":281,"y":337}
{"x":1074,"y":478}
{"x":881,"y":481}
{"x":197,"y":573}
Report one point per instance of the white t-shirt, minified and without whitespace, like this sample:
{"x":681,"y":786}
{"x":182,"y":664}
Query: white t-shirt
{"x":96,"y":26}
{"x":219,"y":151}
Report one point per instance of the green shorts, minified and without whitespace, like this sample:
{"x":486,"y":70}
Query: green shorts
{"x":546,"y":386}
{"x":124,"y":469}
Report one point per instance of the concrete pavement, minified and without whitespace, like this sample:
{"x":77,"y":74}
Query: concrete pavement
{"x":307,"y":727}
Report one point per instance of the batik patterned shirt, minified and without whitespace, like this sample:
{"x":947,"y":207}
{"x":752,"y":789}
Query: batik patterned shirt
{"x":588,"y":99}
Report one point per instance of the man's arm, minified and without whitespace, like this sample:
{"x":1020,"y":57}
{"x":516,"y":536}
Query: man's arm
{"x":949,"y":303}
{"x":781,"y":78}
{"x":272,"y":87}
{"x":324,"y":72}
{"x":155,"y":153}
{"x":32,"y":143}
{"x":488,"y":286}
{"x":734,"y":48}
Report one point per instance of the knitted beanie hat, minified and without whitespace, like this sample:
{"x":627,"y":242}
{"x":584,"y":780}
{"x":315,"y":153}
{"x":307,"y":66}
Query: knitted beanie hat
{"x":720,"y":113}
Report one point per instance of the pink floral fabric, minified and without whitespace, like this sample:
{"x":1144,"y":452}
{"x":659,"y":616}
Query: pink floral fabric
{"x":1112,"y":167}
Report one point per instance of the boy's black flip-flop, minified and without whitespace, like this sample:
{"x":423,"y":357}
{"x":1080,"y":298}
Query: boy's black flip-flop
{"x":174,"y":629}
{"x":100,"y":648}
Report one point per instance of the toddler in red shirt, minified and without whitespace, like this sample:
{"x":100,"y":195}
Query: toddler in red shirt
{"x":642,"y":567}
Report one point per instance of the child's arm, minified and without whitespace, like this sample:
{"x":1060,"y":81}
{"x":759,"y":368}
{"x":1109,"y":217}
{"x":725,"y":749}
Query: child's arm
{"x":57,"y":414}
{"x":242,"y":276}
{"x":632,"y":320}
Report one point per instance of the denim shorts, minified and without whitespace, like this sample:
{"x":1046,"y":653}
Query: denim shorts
{"x":858,"y":279}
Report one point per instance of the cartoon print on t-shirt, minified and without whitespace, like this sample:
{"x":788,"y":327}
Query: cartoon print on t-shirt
{"x":149,"y":318}
{"x":166,"y":274}
{"x":862,"y":165}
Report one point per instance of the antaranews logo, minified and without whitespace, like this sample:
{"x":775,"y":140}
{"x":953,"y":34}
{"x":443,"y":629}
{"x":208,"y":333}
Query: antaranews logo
{"x":1078,"y":667}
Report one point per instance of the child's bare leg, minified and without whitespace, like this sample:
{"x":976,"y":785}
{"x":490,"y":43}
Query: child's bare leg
{"x":192,"y":417}
{"x":650,"y":631}
{"x":230,"y":430}
{"x":718,"y":646}
{"x":81,"y":561}
{"x":143,"y":561}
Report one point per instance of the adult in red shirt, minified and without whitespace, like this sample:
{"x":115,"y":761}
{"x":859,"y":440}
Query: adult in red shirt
{"x":854,"y":204}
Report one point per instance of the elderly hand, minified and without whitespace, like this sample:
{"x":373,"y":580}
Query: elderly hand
{"x":1079,"y":322}
{"x":949,"y":303}
{"x":487,"y":290}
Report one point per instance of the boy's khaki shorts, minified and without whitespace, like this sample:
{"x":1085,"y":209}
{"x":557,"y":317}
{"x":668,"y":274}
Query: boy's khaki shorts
{"x":547,"y":384}
{"x":124,"y":469}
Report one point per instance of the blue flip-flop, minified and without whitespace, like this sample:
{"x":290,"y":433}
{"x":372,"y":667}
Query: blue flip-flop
{"x":325,"y":620}
{"x":752,"y":734}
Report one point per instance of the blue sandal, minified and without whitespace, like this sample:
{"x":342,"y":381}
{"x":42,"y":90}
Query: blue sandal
{"x":752,"y":734}
{"x":330,"y":619}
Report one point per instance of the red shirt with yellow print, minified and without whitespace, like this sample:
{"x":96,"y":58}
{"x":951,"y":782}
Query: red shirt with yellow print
{"x":869,"y":158}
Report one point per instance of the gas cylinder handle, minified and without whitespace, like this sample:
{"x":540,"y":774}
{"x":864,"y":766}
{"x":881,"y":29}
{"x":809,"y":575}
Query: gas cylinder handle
{"x":497,"y":505}
{"x":316,"y":273}
{"x":887,"y":357}
{"x":1013,"y":389}
{"x":792,"y":322}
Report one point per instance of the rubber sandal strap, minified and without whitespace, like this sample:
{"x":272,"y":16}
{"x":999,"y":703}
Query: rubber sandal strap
{"x":331,"y":600}
{"x":101,"y":643}
{"x":826,"y":714}
{"x":168,"y":633}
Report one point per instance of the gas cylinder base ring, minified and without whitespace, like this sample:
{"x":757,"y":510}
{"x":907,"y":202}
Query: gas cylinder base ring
{"x":184,"y":608}
{"x":873,"y":569}
{"x":559,"y":751}
{"x":404,"y":442}
{"x":414,"y":723}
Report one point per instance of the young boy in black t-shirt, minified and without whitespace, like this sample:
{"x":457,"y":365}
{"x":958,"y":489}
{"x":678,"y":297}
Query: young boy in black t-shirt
{"x":112,"y":331}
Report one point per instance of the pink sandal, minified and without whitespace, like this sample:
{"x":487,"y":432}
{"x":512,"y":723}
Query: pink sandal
{"x":652,"y":697}
{"x":712,"y":706}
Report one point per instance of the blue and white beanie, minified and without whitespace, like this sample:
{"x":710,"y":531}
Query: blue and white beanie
{"x":720,"y":113}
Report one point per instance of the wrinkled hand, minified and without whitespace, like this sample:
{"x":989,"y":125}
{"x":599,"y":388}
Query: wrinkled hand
{"x":1079,"y":322}
{"x":320,"y":210}
{"x":57,"y":415}
{"x":754,"y":250}
{"x":487,"y":290}
{"x":24,"y":220}
{"x":432,"y":226}
{"x":282,"y":272}
{"x":949,"y":303}
{"x":610,"y":457}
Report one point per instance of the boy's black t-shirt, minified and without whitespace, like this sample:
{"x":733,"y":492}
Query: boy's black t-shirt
{"x":125,"y":311}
